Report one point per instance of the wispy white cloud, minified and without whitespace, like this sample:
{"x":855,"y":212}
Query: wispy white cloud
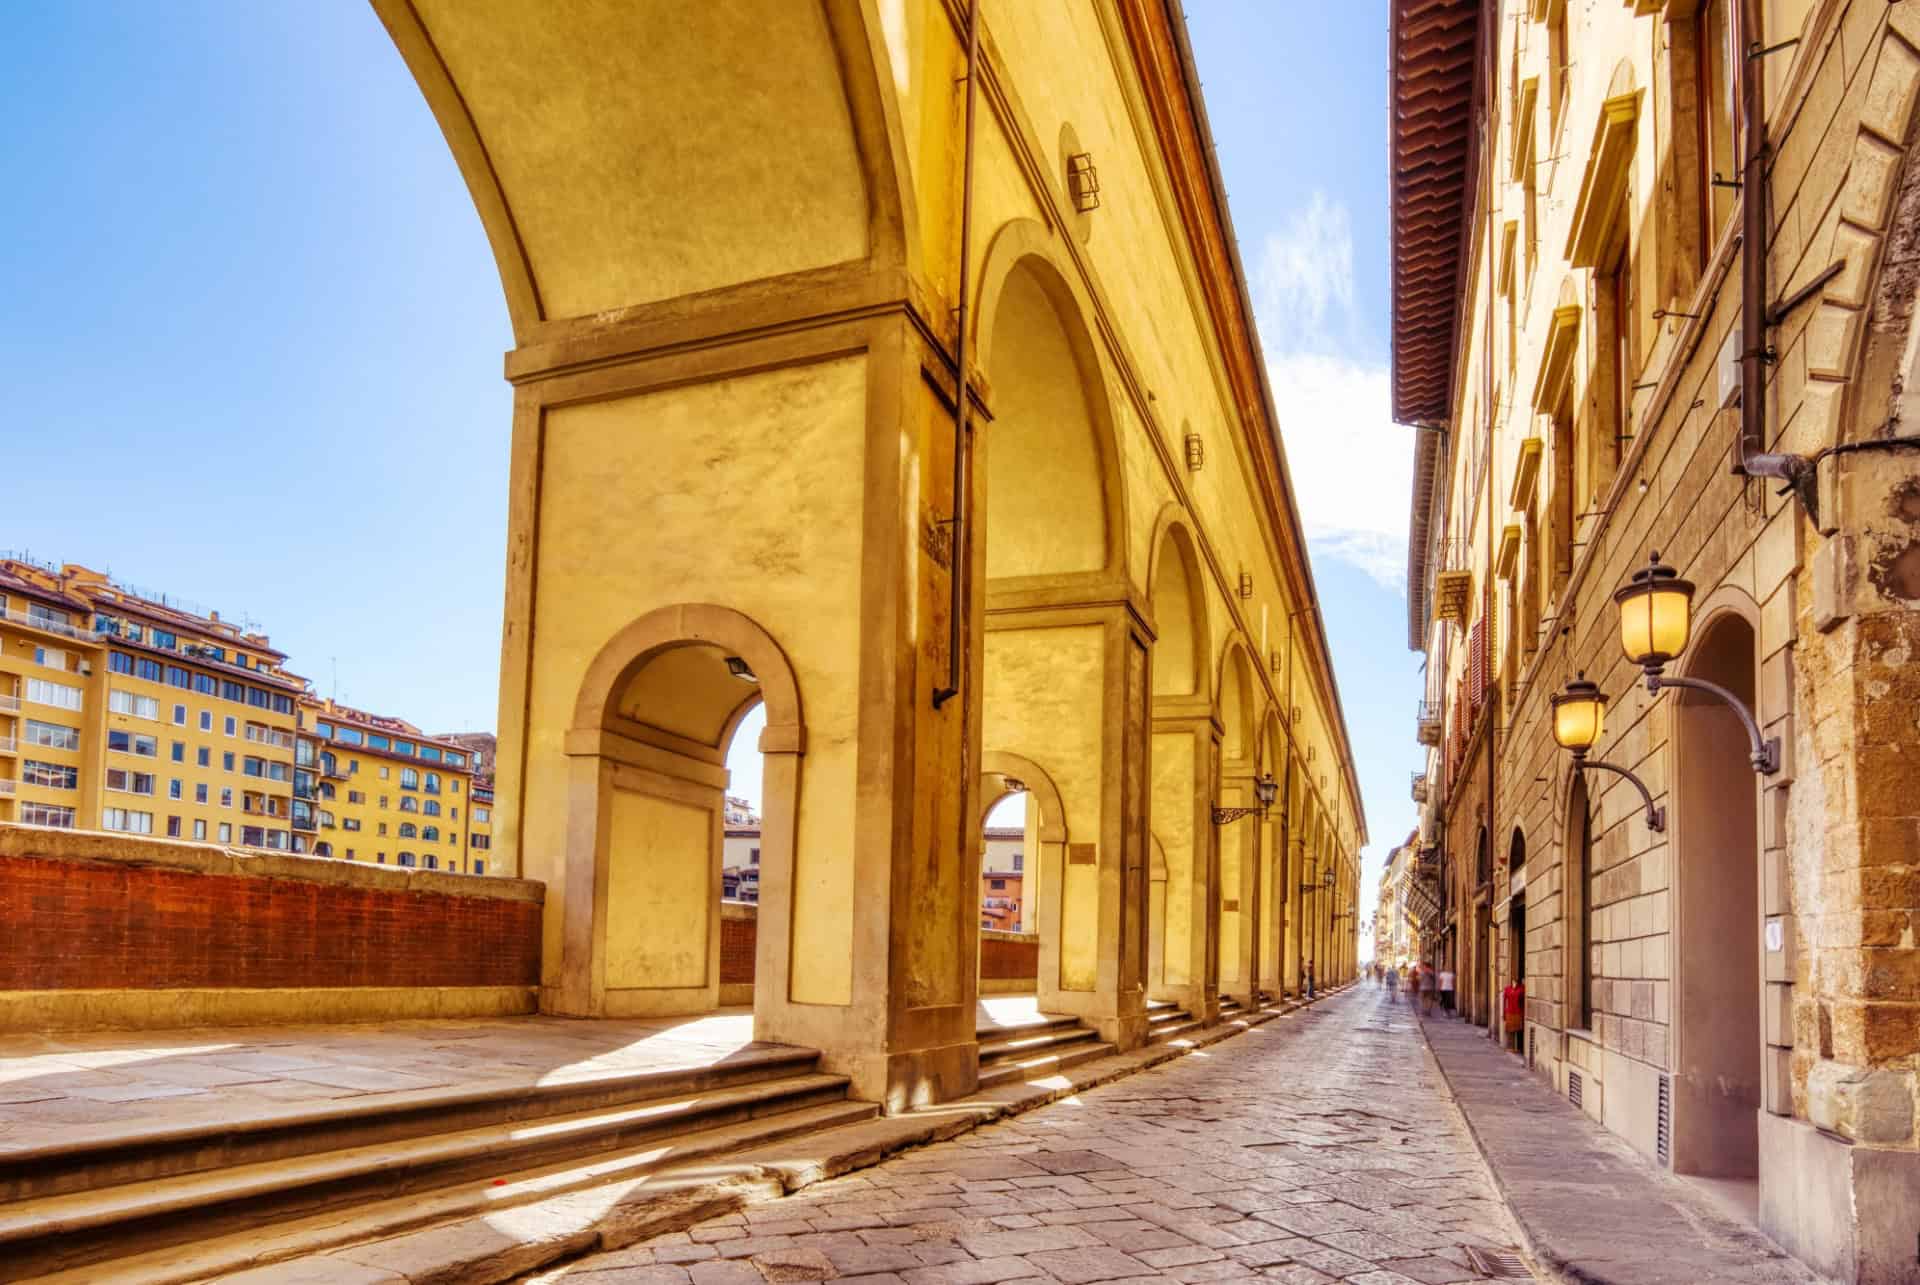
{"x":1303,"y":283}
{"x":1351,"y":465}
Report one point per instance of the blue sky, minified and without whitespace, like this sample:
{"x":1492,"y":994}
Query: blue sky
{"x":252,"y":337}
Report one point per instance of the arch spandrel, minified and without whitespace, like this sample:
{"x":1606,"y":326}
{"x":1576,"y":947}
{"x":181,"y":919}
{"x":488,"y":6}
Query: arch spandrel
{"x":589,"y":135}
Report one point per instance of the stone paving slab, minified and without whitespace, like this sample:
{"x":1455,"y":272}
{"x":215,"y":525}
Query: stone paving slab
{"x":1311,"y":1149}
{"x":98,"y":1086}
{"x":1591,"y":1208}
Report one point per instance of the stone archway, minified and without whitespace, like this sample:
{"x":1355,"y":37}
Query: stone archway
{"x":646,"y":806}
{"x":1046,"y":867}
{"x":1717,"y":943}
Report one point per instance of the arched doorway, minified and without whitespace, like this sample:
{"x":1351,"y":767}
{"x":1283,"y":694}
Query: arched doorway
{"x":1716,"y":1006}
{"x":1021,"y":791}
{"x":1577,"y":909}
{"x":647,"y":796}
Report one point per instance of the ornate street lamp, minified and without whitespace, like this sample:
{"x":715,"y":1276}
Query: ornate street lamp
{"x":1656,"y":623}
{"x":1266,"y":789}
{"x":1579,"y":713}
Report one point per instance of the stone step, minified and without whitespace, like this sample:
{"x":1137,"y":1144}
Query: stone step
{"x":1049,"y":1062}
{"x":1019,"y":1044}
{"x":107,"y":1160}
{"x":85,"y":1235}
{"x":1166,"y":1016}
{"x":1046,"y":1022}
{"x":1183,"y":1023}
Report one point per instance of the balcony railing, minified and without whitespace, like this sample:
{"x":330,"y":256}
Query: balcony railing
{"x":333,"y":771}
{"x":79,"y":633}
{"x":304,"y":823}
{"x":8,"y":786}
{"x":11,"y":704}
{"x":1429,"y":722}
{"x":270,"y":736}
{"x":9,"y":744}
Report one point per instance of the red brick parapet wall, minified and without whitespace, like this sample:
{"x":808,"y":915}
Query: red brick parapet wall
{"x":91,"y":912}
{"x":1009,"y":956}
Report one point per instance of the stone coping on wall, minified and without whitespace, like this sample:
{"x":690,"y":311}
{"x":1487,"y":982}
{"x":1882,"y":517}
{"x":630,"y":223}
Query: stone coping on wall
{"x":98,"y":846}
{"x":1022,"y":939}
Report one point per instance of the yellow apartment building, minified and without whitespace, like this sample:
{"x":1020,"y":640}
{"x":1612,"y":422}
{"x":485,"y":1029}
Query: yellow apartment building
{"x":372,"y":788}
{"x":141,"y":716}
{"x":51,"y":702}
{"x":122,"y":710}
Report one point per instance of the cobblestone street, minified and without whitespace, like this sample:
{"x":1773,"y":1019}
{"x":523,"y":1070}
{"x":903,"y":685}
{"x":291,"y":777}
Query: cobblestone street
{"x":1318,"y":1147}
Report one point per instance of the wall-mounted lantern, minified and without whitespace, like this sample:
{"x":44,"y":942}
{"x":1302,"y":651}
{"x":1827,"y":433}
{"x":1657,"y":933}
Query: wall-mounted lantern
{"x":1196,"y":453}
{"x":740,"y":669}
{"x":1656,"y":624}
{"x":1266,"y":789}
{"x":1083,"y":182}
{"x":1579,"y":714}
{"x":1246,"y":584}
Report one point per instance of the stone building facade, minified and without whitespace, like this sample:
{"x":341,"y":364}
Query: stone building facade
{"x":1736,"y":991}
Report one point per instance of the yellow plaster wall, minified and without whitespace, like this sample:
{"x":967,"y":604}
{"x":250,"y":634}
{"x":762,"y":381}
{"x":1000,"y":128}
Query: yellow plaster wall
{"x":660,"y":894}
{"x":622,"y":198}
{"x":622,"y":480}
{"x":1044,"y":701}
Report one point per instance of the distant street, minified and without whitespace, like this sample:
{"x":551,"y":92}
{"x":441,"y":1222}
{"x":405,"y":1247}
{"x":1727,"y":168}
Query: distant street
{"x":1317,"y":1147}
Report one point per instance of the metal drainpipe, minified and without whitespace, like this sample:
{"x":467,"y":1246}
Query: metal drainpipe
{"x":962,"y":479}
{"x":1754,"y":459}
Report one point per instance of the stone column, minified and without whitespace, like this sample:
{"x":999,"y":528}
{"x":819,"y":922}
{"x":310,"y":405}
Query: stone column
{"x":1241,"y":888}
{"x":1186,"y":756}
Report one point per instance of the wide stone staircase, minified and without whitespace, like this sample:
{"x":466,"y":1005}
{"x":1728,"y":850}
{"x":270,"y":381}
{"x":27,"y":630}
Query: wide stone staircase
{"x":201,"y":1201}
{"x":1017,"y":1054}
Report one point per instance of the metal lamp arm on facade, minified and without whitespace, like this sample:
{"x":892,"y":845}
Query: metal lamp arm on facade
{"x":1656,"y":816}
{"x":1764,"y":750}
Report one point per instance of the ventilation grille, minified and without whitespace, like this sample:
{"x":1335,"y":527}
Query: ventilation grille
{"x":1533,"y":1043}
{"x":1576,"y":1089}
{"x":1663,"y":1123}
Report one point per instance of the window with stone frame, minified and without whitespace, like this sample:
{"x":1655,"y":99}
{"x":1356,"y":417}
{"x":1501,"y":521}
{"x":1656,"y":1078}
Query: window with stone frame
{"x":1608,"y":424}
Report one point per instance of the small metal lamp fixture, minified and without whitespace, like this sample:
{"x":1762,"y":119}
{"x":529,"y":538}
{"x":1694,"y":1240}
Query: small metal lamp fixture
{"x":1579,"y":714}
{"x":1266,"y":789}
{"x":1656,"y":624}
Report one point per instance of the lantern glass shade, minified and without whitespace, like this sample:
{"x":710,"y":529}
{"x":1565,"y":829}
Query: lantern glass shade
{"x":1656,"y":615}
{"x":1579,"y":716}
{"x":1266,"y":789}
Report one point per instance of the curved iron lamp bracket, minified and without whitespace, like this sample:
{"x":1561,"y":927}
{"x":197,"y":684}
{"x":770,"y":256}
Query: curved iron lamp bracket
{"x":1764,"y":752}
{"x":1656,"y":816}
{"x":1224,"y":816}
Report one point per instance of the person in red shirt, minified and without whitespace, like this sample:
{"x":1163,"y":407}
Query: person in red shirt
{"x":1513,"y":1007}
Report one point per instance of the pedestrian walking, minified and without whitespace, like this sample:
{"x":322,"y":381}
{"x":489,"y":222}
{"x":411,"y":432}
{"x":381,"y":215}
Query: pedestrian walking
{"x":1427,"y":981}
{"x":1392,"y":981}
{"x":1309,"y":979}
{"x":1446,"y":989}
